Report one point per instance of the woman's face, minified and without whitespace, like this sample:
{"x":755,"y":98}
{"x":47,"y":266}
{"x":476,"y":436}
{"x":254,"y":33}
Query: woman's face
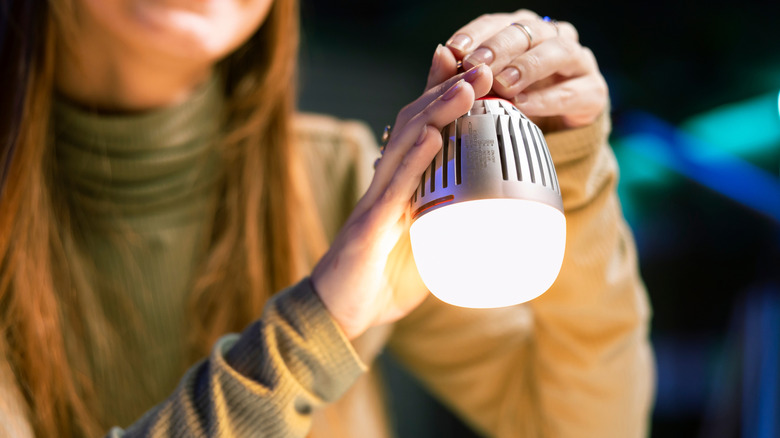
{"x":199,"y":31}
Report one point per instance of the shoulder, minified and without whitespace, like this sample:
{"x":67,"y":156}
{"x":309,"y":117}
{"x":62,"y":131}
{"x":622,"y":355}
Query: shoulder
{"x":338,"y":156}
{"x":341,"y":151}
{"x":330,"y":135}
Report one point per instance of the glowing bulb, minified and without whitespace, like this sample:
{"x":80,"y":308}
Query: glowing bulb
{"x":490,"y":252}
{"x":489,"y":229}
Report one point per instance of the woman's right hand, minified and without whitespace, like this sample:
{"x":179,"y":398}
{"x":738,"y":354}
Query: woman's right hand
{"x":351,"y":278}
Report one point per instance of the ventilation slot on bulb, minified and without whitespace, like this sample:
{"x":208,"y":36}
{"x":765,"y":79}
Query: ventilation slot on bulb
{"x":458,"y":153}
{"x":546,"y":153}
{"x":433,"y":174}
{"x":526,"y":145}
{"x":556,"y":183}
{"x":515,"y":151}
{"x":501,"y":150}
{"x":536,"y":149}
{"x":445,"y":153}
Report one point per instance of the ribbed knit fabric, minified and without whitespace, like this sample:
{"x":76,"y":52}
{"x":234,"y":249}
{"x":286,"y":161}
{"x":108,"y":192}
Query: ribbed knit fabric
{"x":142,"y":190}
{"x":148,"y":171}
{"x":265,"y":383}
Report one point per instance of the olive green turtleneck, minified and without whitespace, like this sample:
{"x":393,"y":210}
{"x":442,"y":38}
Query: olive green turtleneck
{"x":142,"y":191}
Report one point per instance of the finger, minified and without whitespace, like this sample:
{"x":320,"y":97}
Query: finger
{"x":510,"y":42}
{"x":443,"y":67}
{"x":564,"y":29}
{"x":578,"y":101}
{"x":478,"y":79}
{"x":441,"y":111}
{"x":474,"y":33}
{"x":394,"y":199}
{"x":554,"y":56}
{"x":475,"y":76}
{"x":404,"y":150}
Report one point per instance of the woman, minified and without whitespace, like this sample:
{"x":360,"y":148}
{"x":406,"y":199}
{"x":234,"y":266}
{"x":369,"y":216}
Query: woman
{"x":158,"y":192}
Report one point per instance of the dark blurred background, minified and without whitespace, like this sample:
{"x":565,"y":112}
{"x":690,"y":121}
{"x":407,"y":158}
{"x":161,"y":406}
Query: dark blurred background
{"x":694,"y":89}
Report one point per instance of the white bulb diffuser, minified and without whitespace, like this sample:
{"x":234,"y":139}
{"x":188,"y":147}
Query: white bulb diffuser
{"x":487,"y":218}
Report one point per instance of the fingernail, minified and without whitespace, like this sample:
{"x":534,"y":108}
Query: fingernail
{"x":436,"y":57}
{"x":422,"y":136}
{"x":483,"y":55}
{"x":508,"y":77}
{"x":521,"y":98}
{"x":472,"y":74}
{"x":459,"y":42}
{"x":452,"y":91}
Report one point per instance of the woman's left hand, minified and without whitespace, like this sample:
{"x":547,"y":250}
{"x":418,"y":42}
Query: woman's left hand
{"x":542,"y":68}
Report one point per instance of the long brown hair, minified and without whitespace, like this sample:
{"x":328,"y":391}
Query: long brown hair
{"x":261,"y":242}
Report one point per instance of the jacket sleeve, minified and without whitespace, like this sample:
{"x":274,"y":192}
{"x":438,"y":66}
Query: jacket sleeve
{"x":575,"y":362}
{"x":265,"y":382}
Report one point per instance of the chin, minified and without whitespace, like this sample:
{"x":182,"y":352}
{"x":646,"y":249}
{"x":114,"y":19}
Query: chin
{"x":191,"y":30}
{"x":203,"y":31}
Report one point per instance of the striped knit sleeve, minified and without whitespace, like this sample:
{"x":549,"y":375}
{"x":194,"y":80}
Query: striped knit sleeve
{"x":265,"y":382}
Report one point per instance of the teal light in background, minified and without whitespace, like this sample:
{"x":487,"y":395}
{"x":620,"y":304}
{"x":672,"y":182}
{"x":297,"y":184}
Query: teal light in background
{"x":643,"y":165}
{"x":749,"y":129}
{"x":733,"y":150}
{"x":659,"y":143}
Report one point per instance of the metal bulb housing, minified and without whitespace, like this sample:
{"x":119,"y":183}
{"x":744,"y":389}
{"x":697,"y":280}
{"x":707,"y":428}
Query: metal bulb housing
{"x":488,"y":228}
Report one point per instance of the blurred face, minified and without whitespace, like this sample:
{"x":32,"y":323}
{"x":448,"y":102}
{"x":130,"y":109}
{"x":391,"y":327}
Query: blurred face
{"x":192,"y":31}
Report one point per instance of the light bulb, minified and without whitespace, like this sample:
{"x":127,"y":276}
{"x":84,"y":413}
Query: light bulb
{"x":488,"y":227}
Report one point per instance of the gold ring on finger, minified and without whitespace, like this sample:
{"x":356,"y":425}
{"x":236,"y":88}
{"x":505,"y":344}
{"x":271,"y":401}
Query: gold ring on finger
{"x":527,"y":31}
